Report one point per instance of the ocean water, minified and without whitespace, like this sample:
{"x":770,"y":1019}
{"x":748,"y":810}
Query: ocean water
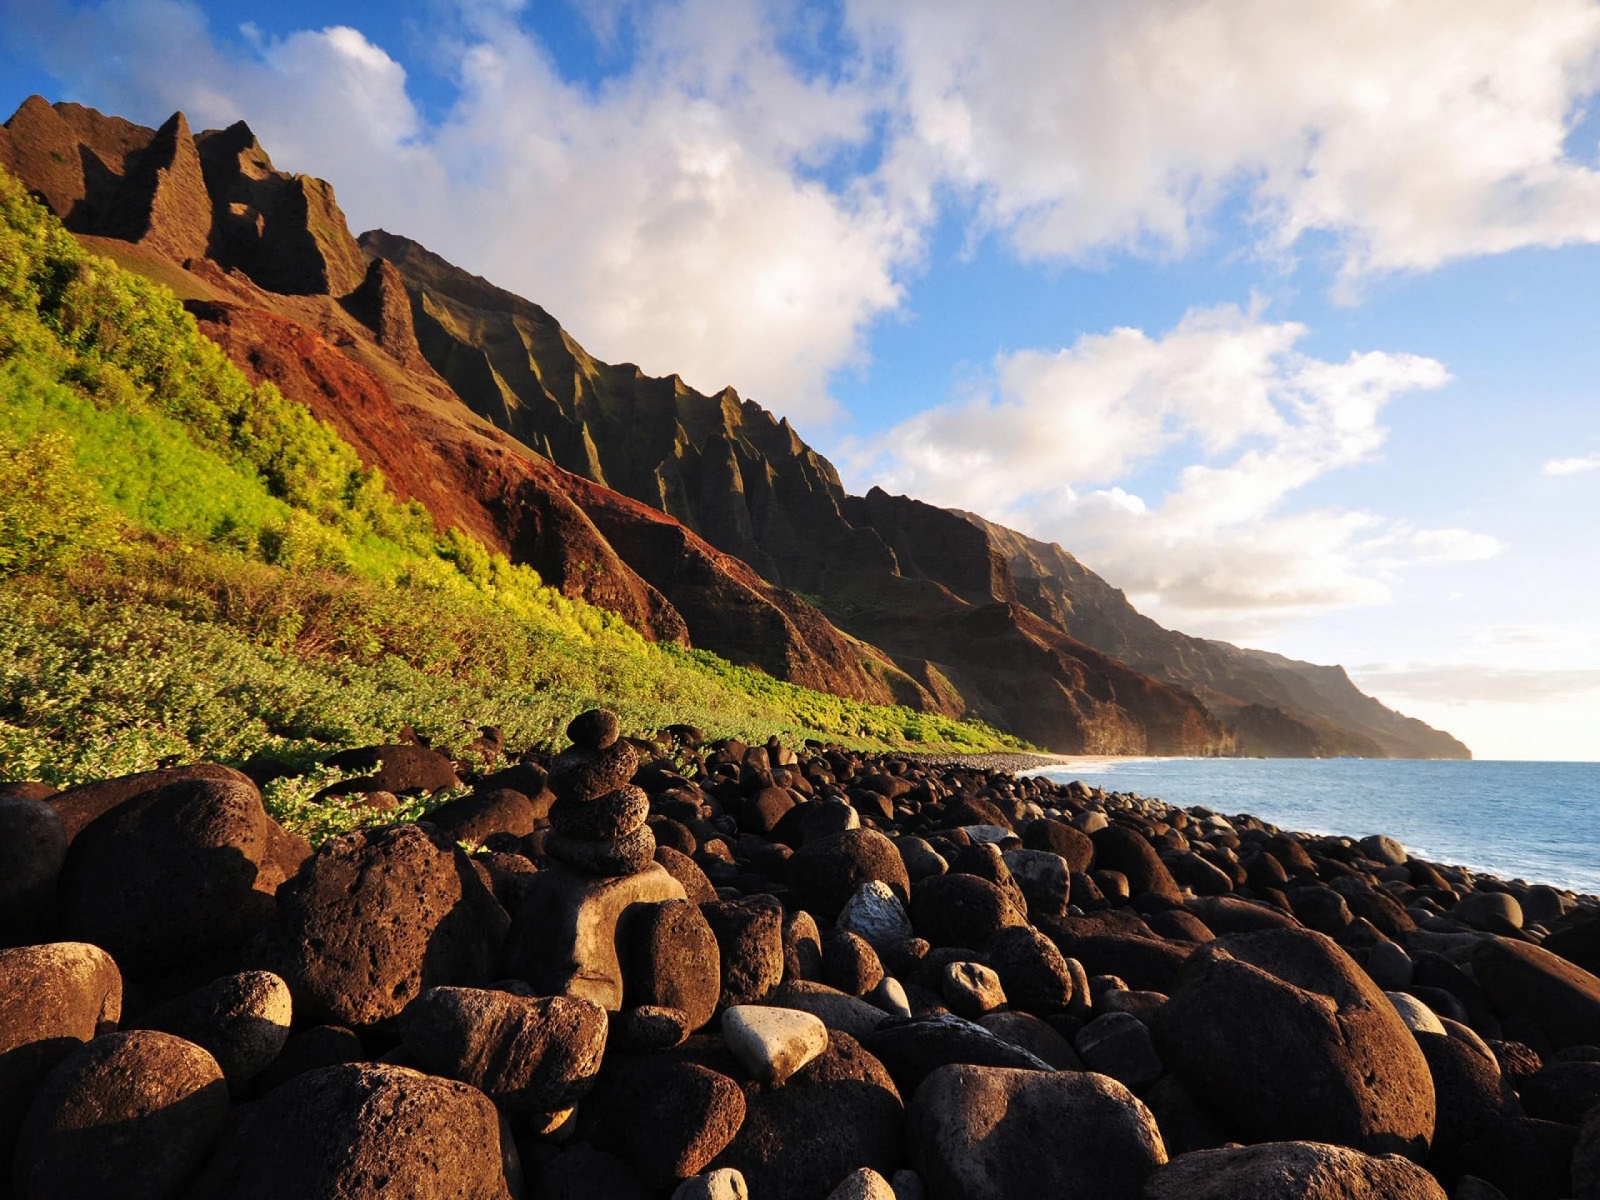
{"x":1535,"y":821}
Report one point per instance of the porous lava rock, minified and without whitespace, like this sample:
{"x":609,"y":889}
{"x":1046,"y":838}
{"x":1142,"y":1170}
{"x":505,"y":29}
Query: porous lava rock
{"x":826,"y":872}
{"x":377,"y":916}
{"x":1282,"y":1037}
{"x":526,"y":1053}
{"x":993,"y":1133}
{"x":1291,"y":1171}
{"x":362,"y":1131}
{"x":241,"y":1020}
{"x":128,"y":1114}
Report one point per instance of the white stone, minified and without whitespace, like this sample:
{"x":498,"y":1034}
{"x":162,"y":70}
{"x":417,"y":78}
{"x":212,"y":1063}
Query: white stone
{"x":988,"y":833}
{"x":773,"y":1043}
{"x":724,"y":1184}
{"x":874,"y":914}
{"x":1419,"y":1018}
{"x":890,"y":995}
{"x":863,"y":1184}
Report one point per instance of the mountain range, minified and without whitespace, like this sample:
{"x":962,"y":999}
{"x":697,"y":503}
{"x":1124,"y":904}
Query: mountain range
{"x":701,"y":519}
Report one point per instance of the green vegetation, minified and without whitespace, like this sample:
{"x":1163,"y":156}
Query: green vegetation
{"x":195,"y":567}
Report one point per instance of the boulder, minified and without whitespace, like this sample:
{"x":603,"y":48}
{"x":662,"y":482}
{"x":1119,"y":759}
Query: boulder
{"x":78,"y":806}
{"x":722,"y":1184}
{"x":874,"y":912}
{"x":770,"y":1043}
{"x":400,"y":769}
{"x":53,"y":998}
{"x":363,"y":1131}
{"x":168,"y":877}
{"x":476,"y":817}
{"x":688,"y":874}
{"x":1118,"y":1044}
{"x":970,"y":989}
{"x":992,"y":1133}
{"x":242,"y":1021}
{"x":664,"y":1117}
{"x":1527,"y":981}
{"x":1118,"y":848}
{"x":961,"y":911}
{"x":526,"y":1053}
{"x":802,"y":946}
{"x":913,"y":1048}
{"x":865,"y":1184}
{"x":1282,"y":1037}
{"x":376,"y":917}
{"x":128,"y":1114}
{"x":849,"y":963}
{"x":749,"y":936}
{"x":1033,"y":973}
{"x":33,"y":847}
{"x":848,"y":1014}
{"x":672,"y":960}
{"x":800,"y":1140}
{"x":1291,"y":1171}
{"x":825,"y":873}
{"x":569,"y":930}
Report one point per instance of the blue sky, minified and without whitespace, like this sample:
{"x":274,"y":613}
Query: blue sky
{"x":1281,"y":315}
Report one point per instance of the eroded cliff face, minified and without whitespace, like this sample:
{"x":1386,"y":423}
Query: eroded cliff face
{"x":267,"y":264}
{"x":701,"y":519}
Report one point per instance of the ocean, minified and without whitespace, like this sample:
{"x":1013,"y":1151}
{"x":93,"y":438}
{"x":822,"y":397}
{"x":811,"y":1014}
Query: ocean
{"x":1530,"y":820}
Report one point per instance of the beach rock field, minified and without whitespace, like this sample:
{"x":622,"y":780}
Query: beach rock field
{"x":674,"y":968}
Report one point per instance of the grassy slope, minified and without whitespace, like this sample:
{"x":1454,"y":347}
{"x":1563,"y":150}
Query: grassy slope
{"x":194,"y":567}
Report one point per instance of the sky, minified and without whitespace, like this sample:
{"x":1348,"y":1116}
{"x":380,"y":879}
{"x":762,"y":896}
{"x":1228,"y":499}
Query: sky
{"x":1280,"y":315}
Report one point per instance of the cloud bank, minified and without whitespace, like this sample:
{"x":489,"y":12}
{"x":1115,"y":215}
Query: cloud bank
{"x":1227,"y":406}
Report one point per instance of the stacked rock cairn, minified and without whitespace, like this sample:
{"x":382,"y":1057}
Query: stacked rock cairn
{"x":598,"y":819}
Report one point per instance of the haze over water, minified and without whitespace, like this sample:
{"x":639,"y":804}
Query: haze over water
{"x":1537,"y":821}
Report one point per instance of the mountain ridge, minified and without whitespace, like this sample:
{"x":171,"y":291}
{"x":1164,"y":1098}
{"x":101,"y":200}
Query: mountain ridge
{"x":699,"y":518}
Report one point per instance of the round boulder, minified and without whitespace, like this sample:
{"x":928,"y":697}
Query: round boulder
{"x":961,"y":911}
{"x":33,"y":847}
{"x":1281,"y":1036}
{"x":129,"y":1114}
{"x":169,"y":876}
{"x":1291,"y":1171}
{"x":672,"y":960}
{"x":826,"y":872}
{"x":242,"y":1021}
{"x":993,"y":1133}
{"x":377,"y":916}
{"x":526,"y":1053}
{"x":362,"y":1131}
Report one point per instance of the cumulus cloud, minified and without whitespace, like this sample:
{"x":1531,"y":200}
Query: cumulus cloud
{"x":1415,"y":133}
{"x":1226,"y":406}
{"x":1572,"y":466}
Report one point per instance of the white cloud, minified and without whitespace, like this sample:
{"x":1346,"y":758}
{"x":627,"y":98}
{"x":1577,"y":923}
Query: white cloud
{"x":1225,"y":406}
{"x":1572,"y":466}
{"x":1415,"y":132}
{"x":1472,"y":683}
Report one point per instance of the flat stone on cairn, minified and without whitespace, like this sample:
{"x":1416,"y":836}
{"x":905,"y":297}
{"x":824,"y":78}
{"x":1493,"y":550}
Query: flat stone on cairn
{"x":599,"y":817}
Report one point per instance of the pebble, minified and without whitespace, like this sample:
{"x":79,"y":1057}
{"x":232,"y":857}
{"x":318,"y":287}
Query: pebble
{"x":773,"y":1043}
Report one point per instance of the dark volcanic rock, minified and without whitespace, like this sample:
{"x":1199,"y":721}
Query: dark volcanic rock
{"x":1282,"y":1037}
{"x":749,"y":933}
{"x":1558,"y":996}
{"x":673,"y":960}
{"x":1117,"y":848}
{"x":376,"y":917}
{"x":53,"y":998}
{"x":990,"y":1133}
{"x":169,"y":876}
{"x":361,"y":1132}
{"x":129,"y":1114}
{"x":242,"y":1021}
{"x":402,"y":768}
{"x":912,"y":1048}
{"x":77,"y":806}
{"x":665,"y":1117}
{"x":474,"y":818}
{"x":824,"y":873}
{"x":1032,"y":971}
{"x":1291,"y":1171}
{"x":580,"y":774}
{"x":530,"y":1054}
{"x":961,"y":910}
{"x":33,"y":846}
{"x":837,"y":1113}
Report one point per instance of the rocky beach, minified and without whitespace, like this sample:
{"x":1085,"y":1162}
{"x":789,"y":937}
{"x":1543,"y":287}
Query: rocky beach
{"x":681,"y":968}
